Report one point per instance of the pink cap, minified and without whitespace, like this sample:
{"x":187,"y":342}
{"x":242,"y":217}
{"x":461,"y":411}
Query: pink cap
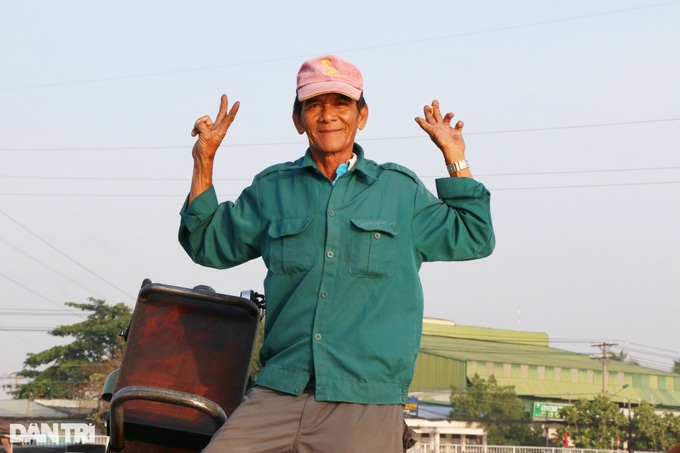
{"x":329,"y":74}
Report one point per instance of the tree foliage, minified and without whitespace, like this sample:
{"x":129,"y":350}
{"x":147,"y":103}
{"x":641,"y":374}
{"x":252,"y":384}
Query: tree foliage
{"x":623,"y":356}
{"x":498,"y":409}
{"x":255,"y":364}
{"x":676,"y":367}
{"x":652,"y":430}
{"x":601,"y":424}
{"x":596,"y":423}
{"x":78,"y":369}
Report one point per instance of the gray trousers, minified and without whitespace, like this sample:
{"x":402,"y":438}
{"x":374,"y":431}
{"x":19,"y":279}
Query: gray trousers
{"x":272,"y":422}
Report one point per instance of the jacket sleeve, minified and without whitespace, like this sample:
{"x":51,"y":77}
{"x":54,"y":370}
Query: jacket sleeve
{"x":455,"y":227}
{"x":221,"y":235}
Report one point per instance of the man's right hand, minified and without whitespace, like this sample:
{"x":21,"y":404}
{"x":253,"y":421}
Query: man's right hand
{"x":210,"y":136}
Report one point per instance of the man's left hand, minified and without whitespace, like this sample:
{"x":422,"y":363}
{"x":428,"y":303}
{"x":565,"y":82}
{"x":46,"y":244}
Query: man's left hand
{"x":448,"y":138}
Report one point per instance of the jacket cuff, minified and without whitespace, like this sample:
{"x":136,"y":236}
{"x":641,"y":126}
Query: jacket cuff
{"x":200,"y":209}
{"x":460,"y":188}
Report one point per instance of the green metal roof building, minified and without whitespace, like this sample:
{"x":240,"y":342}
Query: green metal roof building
{"x":450,"y":355}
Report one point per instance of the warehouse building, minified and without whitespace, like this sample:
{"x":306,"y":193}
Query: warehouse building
{"x":545,"y":378}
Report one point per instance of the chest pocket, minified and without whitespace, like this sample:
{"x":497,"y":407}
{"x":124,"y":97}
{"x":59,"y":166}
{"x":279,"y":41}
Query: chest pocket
{"x":291,"y":246}
{"x":373,"y":248}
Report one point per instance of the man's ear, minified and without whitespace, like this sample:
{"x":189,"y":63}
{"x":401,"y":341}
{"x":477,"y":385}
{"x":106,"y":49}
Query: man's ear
{"x":363,"y":117}
{"x":298,"y":123}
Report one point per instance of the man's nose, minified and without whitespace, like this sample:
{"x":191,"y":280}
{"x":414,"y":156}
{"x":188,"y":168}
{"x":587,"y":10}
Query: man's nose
{"x":327,"y":113}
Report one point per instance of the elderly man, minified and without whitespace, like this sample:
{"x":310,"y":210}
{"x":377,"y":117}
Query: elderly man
{"x":343,"y":239}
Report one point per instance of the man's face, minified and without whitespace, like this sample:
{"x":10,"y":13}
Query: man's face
{"x":331,"y":122}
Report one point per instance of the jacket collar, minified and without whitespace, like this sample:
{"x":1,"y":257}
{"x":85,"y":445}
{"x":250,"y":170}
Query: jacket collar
{"x":366,"y":167}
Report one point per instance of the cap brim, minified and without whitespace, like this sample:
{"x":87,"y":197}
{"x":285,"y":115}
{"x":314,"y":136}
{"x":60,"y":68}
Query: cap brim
{"x":315,"y":89}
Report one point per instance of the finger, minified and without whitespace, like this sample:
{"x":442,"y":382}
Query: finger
{"x":424,"y":125}
{"x":223,"y":108}
{"x":226,"y":119}
{"x":201,"y":125}
{"x":459,"y":126}
{"x":233,"y":111}
{"x":436,"y":113}
{"x":448,"y":118}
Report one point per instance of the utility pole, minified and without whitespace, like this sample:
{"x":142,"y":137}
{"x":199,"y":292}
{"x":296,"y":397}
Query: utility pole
{"x":630,"y":429}
{"x":604,"y":357}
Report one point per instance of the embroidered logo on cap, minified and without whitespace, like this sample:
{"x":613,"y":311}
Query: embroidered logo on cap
{"x":330,"y":70}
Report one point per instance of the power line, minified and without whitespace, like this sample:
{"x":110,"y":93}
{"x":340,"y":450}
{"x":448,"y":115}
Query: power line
{"x":186,"y":179}
{"x":24,"y":329}
{"x":652,"y":347}
{"x":586,"y":186}
{"x":576,"y":126}
{"x":374,"y":139}
{"x":63,"y":254}
{"x":76,"y":229}
{"x":33,"y":292}
{"x":56,"y":271}
{"x":571,"y":172}
{"x":25,"y":312}
{"x":480,"y":345}
{"x":180,"y":195}
{"x":674,"y":356}
{"x":355,"y":49}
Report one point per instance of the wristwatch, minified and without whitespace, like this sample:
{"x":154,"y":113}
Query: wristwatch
{"x":458,"y":166}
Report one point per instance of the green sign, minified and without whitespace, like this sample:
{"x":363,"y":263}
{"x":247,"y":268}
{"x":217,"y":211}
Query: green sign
{"x":548,"y":411}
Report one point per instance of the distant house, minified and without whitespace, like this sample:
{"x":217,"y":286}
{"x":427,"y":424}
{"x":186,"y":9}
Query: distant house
{"x":25,"y":412}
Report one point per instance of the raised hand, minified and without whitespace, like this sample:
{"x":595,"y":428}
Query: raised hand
{"x":210,"y":134}
{"x":439,"y":129}
{"x":448,"y":138}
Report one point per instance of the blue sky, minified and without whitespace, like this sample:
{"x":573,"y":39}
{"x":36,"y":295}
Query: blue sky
{"x":572,"y":113}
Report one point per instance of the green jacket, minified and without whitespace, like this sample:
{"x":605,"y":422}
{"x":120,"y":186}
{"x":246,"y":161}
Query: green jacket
{"x":344,"y":299}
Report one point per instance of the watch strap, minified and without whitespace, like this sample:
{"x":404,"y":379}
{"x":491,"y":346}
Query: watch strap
{"x":457,"y":166}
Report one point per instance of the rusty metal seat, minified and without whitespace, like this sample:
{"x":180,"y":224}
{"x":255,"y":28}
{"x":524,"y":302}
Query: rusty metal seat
{"x":185,"y":369}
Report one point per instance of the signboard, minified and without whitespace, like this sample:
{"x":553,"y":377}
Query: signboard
{"x":411,"y":407}
{"x":547,"y":411}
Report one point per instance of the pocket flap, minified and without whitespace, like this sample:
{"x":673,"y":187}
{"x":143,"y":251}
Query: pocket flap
{"x":288,"y":227}
{"x":383,"y":226}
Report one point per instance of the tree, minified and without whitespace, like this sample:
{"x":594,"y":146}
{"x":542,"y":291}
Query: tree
{"x":594,"y":424}
{"x":652,"y":431}
{"x":622,"y":356}
{"x":498,"y":409}
{"x":78,"y":369}
{"x":676,"y":367}
{"x":255,"y":364}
